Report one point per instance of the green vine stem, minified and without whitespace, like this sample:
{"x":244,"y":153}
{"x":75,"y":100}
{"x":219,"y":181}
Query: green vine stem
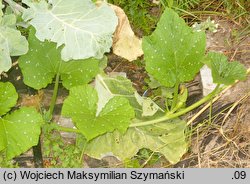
{"x":83,"y":151}
{"x":54,"y":97}
{"x":216,"y":91}
{"x":176,"y":92}
{"x":65,"y":129}
{"x":184,"y":111}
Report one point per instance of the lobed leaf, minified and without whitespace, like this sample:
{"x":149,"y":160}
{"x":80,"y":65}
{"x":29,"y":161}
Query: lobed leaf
{"x":83,"y":28}
{"x":168,"y":138}
{"x":81,"y":106}
{"x":174,"y":51}
{"x":43,"y":61}
{"x":8,"y":97}
{"x":224,"y":72}
{"x":19,"y":131}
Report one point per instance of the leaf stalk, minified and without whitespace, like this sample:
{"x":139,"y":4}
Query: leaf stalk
{"x":54,"y":97}
{"x":66,"y":129}
{"x":175,"y":99}
{"x":181,"y":112}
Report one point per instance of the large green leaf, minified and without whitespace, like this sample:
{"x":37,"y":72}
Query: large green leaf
{"x":8,"y":97}
{"x":168,"y":138}
{"x":81,"y":106}
{"x":19,"y":131}
{"x":174,"y":51}
{"x":12,"y":43}
{"x":43,"y":61}
{"x":224,"y":72}
{"x":83,"y":28}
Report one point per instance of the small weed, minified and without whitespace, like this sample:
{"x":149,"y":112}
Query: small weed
{"x":144,"y":157}
{"x":59,"y":153}
{"x":140,"y":13}
{"x":181,"y":4}
{"x":237,"y":8}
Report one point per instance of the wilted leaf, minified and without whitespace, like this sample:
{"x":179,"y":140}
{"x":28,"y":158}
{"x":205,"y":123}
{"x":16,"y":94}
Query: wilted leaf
{"x":19,"y":131}
{"x":149,"y":107}
{"x":125,"y":43}
{"x":83,"y":28}
{"x":174,"y":51}
{"x":8,"y":97}
{"x":224,"y":72}
{"x":81,"y":106}
{"x":43,"y":61}
{"x":108,"y":87}
{"x":168,"y":138}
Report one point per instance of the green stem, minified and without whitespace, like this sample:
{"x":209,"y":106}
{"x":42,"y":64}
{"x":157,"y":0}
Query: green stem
{"x":83,"y":150}
{"x":176,"y":92}
{"x":163,"y":3}
{"x":188,"y":13}
{"x":167,"y":108}
{"x":65,"y":129}
{"x":179,"y":113}
{"x":54,"y":97}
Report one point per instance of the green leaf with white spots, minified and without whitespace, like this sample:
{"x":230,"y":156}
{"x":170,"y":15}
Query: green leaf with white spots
{"x":8,"y":97}
{"x":167,"y":138}
{"x":81,"y":106}
{"x":174,"y":51}
{"x":12,"y":43}
{"x":81,"y":27}
{"x":43,"y":61}
{"x":19,"y":131}
{"x":224,"y":72}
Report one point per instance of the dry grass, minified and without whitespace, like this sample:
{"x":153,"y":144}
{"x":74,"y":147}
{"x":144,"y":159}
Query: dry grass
{"x":222,"y":143}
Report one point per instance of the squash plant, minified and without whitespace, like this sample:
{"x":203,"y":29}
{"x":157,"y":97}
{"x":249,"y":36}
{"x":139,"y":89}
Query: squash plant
{"x":67,"y":41}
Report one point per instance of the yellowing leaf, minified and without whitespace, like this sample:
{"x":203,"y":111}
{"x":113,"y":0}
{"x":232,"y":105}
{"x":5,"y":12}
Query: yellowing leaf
{"x":125,"y":43}
{"x":167,"y":138}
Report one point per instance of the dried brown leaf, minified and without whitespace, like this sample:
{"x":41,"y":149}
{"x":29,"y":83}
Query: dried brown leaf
{"x":125,"y":43}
